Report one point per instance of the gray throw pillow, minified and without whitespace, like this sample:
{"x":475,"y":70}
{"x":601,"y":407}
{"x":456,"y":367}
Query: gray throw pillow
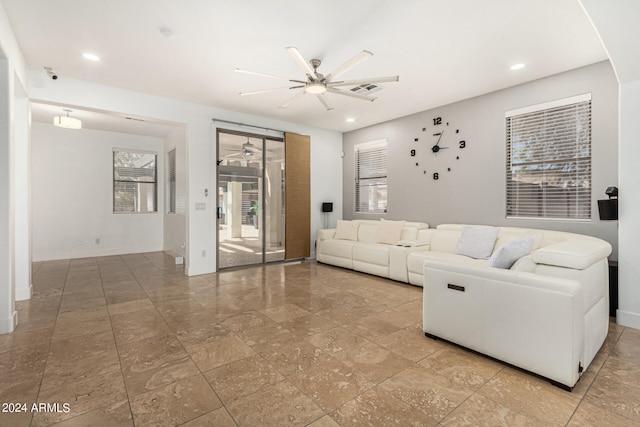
{"x":506,"y":255}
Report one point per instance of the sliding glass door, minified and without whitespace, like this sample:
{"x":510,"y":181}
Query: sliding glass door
{"x":250,"y":214}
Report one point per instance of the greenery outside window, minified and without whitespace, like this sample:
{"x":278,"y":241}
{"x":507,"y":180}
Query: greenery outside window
{"x":548,"y":172}
{"x":135,"y":184}
{"x":371,"y":177}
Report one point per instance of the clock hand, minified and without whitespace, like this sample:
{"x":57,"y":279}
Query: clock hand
{"x":437,"y":147}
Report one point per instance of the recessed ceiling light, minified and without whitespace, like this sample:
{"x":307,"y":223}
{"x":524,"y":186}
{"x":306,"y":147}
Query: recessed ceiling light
{"x":166,"y":32}
{"x":517,"y":67}
{"x":91,"y":56}
{"x":350,"y":119}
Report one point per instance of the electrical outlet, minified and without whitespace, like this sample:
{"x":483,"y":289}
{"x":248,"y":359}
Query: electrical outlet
{"x":204,"y":253}
{"x":97,"y":240}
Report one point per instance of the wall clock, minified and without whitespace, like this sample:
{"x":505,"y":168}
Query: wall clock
{"x":444,"y":148}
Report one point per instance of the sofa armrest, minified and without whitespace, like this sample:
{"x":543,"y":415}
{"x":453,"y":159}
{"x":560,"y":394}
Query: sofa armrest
{"x":523,"y":278}
{"x":576,"y":254}
{"x":326,"y":234}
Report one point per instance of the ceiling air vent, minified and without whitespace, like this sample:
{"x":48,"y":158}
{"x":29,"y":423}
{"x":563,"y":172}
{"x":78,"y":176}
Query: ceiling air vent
{"x":365,"y":89}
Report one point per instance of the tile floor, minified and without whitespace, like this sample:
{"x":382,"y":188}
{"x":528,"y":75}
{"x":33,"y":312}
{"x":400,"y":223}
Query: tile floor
{"x":129,"y":340}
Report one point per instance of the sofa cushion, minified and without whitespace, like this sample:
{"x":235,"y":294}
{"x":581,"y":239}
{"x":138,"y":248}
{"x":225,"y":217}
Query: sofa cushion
{"x":506,"y":255}
{"x":476,"y":241}
{"x":389,"y":232}
{"x":347,"y":230}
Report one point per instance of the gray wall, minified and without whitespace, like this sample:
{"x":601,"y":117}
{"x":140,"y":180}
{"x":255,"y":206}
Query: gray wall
{"x":473,"y":192}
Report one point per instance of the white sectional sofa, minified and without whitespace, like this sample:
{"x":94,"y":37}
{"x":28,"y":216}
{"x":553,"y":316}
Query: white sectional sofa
{"x":544,"y":310}
{"x":370,"y":246}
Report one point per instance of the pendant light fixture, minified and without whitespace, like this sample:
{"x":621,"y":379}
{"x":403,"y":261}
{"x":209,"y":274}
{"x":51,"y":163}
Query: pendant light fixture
{"x":67,"y":122}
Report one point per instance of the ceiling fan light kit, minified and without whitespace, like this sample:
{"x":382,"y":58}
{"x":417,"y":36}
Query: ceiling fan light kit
{"x":318,"y":84}
{"x":67,"y":122}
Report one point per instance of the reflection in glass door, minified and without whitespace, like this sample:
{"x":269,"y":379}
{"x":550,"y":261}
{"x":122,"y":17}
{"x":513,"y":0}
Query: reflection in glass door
{"x":250,"y":199}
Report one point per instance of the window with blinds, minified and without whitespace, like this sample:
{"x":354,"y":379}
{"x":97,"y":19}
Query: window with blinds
{"x":371,"y":177}
{"x":134,"y":181}
{"x":171,"y":163}
{"x":549,"y":160}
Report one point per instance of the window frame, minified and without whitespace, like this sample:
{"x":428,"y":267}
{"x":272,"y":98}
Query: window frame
{"x":171,"y":181}
{"x":380,"y":145}
{"x":559,"y":161}
{"x":115,"y":181}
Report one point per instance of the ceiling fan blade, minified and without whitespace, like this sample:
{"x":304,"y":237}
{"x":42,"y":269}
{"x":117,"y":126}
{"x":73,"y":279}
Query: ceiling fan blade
{"x":362,"y":56}
{"x":257,"y":92}
{"x":300,"y":62}
{"x":323,"y":101}
{"x":271,"y":76}
{"x":293,"y":98}
{"x":356,"y":82}
{"x":351,"y":94}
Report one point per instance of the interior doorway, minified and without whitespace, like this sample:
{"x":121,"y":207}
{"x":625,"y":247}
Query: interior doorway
{"x":250,"y":198}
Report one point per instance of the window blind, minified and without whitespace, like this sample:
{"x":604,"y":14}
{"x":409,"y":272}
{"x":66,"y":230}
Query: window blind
{"x":134,"y":181}
{"x":548,"y":172}
{"x":371,"y":177}
{"x":171,"y":160}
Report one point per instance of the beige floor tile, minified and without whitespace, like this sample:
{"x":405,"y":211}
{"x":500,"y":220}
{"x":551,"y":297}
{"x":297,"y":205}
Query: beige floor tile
{"x":330,"y":383}
{"x":16,"y":419}
{"x":89,"y":327}
{"x":436,"y":396}
{"x":325,"y":421}
{"x":626,"y":350}
{"x":20,"y":386}
{"x":284,"y":312}
{"x":531,"y":396}
{"x":98,"y":390}
{"x":377,"y":407}
{"x":621,"y":371}
{"x":336,"y":341}
{"x":117,"y":414}
{"x":130,"y":306}
{"x":217,"y":418}
{"x":630,"y":336}
{"x":615,"y":397}
{"x":294,"y":357}
{"x":373,"y":361}
{"x":175,"y":403}
{"x":588,"y":415}
{"x":372,"y":328}
{"x":462,"y":367}
{"x":280,"y":404}
{"x":219,"y":351}
{"x":479,"y":411}
{"x":241,"y":378}
{"x":60,"y":372}
{"x":286,"y":344}
{"x":410,"y":344}
{"x":138,"y":325}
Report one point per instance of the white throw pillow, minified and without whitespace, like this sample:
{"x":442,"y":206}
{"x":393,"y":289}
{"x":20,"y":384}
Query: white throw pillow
{"x":506,"y":255}
{"x":347,"y":230}
{"x":389,"y":232}
{"x":476,"y":241}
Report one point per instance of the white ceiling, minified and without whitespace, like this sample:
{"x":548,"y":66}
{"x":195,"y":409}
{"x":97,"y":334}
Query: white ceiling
{"x":443,"y":50}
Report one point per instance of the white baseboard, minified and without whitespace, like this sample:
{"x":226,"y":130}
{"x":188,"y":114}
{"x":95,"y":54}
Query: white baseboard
{"x":24,"y":294}
{"x":628,"y":318}
{"x":9,"y":324}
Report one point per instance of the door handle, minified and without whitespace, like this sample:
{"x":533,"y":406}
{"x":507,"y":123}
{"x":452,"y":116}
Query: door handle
{"x":219,"y":212}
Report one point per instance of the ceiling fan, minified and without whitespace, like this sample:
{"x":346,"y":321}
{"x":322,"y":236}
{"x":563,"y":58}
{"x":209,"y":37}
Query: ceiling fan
{"x":318,"y":84}
{"x":247,"y":151}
